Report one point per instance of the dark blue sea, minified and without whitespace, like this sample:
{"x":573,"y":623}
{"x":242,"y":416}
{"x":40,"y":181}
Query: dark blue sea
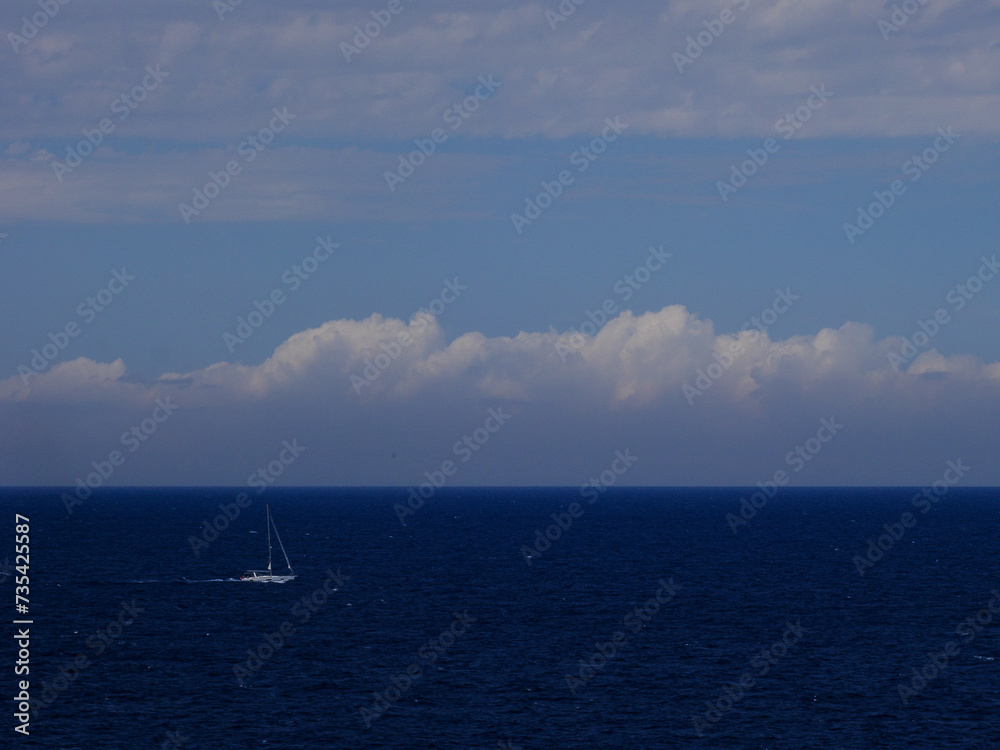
{"x":642,"y":621}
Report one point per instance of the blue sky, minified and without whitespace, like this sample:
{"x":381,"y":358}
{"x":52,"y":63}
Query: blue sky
{"x":509,"y":338}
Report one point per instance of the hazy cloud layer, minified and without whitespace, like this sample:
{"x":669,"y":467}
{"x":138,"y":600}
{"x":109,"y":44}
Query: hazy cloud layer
{"x":603,"y":59}
{"x":224,"y":77}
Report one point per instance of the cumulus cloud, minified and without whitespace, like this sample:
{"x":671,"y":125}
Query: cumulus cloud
{"x":634,"y":361}
{"x":382,"y":381}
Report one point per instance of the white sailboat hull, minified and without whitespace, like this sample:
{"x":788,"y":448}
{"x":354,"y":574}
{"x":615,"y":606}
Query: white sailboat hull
{"x":259,"y":576}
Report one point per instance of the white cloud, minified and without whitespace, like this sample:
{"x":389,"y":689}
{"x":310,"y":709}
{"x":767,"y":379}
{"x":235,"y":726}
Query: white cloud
{"x":637,"y":361}
{"x":80,"y":379}
{"x":621,"y":387}
{"x":17,"y":148}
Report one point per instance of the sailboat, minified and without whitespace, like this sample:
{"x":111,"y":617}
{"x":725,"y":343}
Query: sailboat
{"x":268,"y":576}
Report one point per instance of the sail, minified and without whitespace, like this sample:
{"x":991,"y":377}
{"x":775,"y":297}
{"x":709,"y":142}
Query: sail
{"x":289,"y":564}
{"x":269,"y":575}
{"x":268,"y":509}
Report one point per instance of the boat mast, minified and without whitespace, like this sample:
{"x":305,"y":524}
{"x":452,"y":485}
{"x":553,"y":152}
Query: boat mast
{"x":282,"y":549}
{"x":269,"y":537}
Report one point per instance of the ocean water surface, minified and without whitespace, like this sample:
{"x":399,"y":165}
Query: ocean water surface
{"x":510,"y":618}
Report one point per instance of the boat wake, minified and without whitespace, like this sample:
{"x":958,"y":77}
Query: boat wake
{"x":211,"y":580}
{"x":183,"y":580}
